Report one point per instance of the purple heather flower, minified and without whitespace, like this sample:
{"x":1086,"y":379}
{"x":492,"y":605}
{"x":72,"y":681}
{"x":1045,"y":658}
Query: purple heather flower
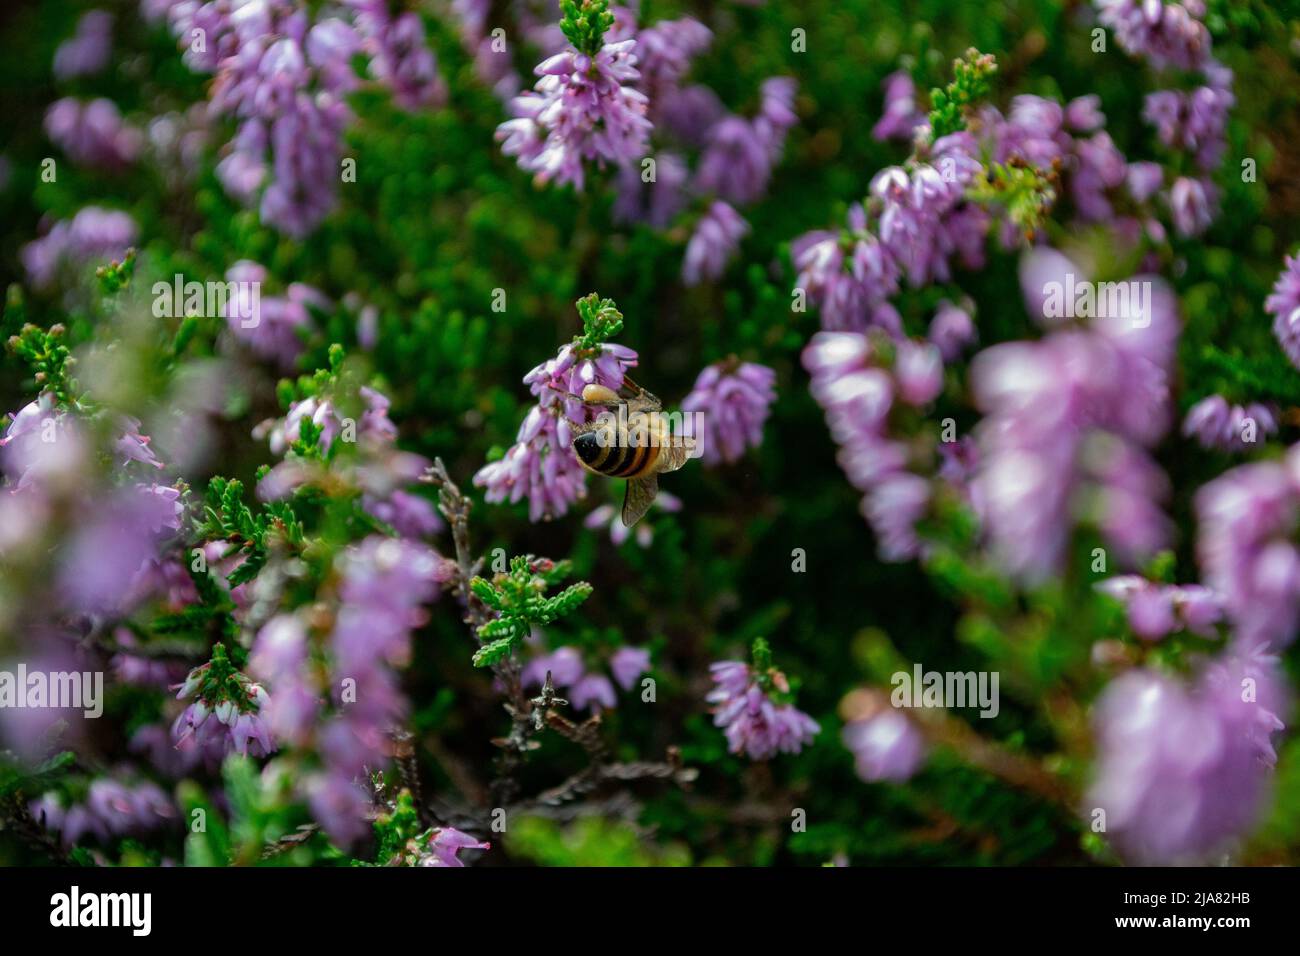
{"x":754,"y":723}
{"x":234,"y":721}
{"x":92,"y":133}
{"x":918,"y":371}
{"x":592,"y":689}
{"x":849,"y":279}
{"x":1083,"y":114}
{"x":340,"y":805}
{"x":564,"y":665}
{"x":443,"y":845}
{"x":583,"y":108}
{"x":610,"y":515}
{"x":1183,"y":770}
{"x":491,"y":63}
{"x":733,"y":399}
{"x":1216,"y":424}
{"x":1246,"y":519}
{"x":1193,"y":204}
{"x":901,"y":116}
{"x":280,"y":659}
{"x":737,"y":161}
{"x":1158,"y":610}
{"x":1284,"y":305}
{"x":410,"y":515}
{"x":952,"y":330}
{"x":582,"y":687}
{"x":629,"y":663}
{"x":540,"y":466}
{"x":87,"y":51}
{"x":714,"y":242}
{"x":133,"y":446}
{"x":886,"y":746}
{"x":103,"y":557}
{"x":1144,"y":180}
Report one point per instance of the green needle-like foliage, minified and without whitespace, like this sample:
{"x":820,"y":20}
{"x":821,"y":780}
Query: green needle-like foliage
{"x":519,"y":599}
{"x":970,"y":84}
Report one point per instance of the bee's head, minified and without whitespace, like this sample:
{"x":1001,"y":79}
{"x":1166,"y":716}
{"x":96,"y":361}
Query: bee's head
{"x":588,"y":447}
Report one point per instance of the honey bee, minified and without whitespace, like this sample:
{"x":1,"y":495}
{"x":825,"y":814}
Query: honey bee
{"x":631,"y":439}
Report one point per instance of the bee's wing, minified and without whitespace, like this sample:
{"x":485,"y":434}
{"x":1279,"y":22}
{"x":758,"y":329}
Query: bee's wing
{"x":630,"y":391}
{"x":673,"y":457}
{"x":641,"y":493}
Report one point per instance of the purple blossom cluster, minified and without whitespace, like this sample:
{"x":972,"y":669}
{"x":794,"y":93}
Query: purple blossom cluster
{"x":110,"y":808}
{"x":283,"y":83}
{"x":491,"y":54}
{"x":384,"y":586}
{"x":755,"y":723}
{"x":541,"y":466}
{"x":92,"y":133}
{"x":1169,"y":34}
{"x":853,"y":381}
{"x":386,"y":583}
{"x":45,"y":453}
{"x":582,"y":109}
{"x":1183,"y":769}
{"x":87,"y":51}
{"x":1246,"y":521}
{"x":92,"y":234}
{"x":272,"y":326}
{"x":738,"y":156}
{"x":915,"y":226}
{"x":1067,"y":428}
{"x":1284,"y":305}
{"x":283,"y":78}
{"x":1216,"y":424}
{"x":587,"y":689}
{"x":400,"y":57}
{"x":733,"y":399}
{"x":1157,"y":610}
{"x":381,"y":471}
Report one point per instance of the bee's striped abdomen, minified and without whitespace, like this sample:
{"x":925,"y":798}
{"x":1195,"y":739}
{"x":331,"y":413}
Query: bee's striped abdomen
{"x":621,"y":460}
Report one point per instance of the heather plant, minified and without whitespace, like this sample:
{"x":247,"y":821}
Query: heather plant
{"x":985,"y":322}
